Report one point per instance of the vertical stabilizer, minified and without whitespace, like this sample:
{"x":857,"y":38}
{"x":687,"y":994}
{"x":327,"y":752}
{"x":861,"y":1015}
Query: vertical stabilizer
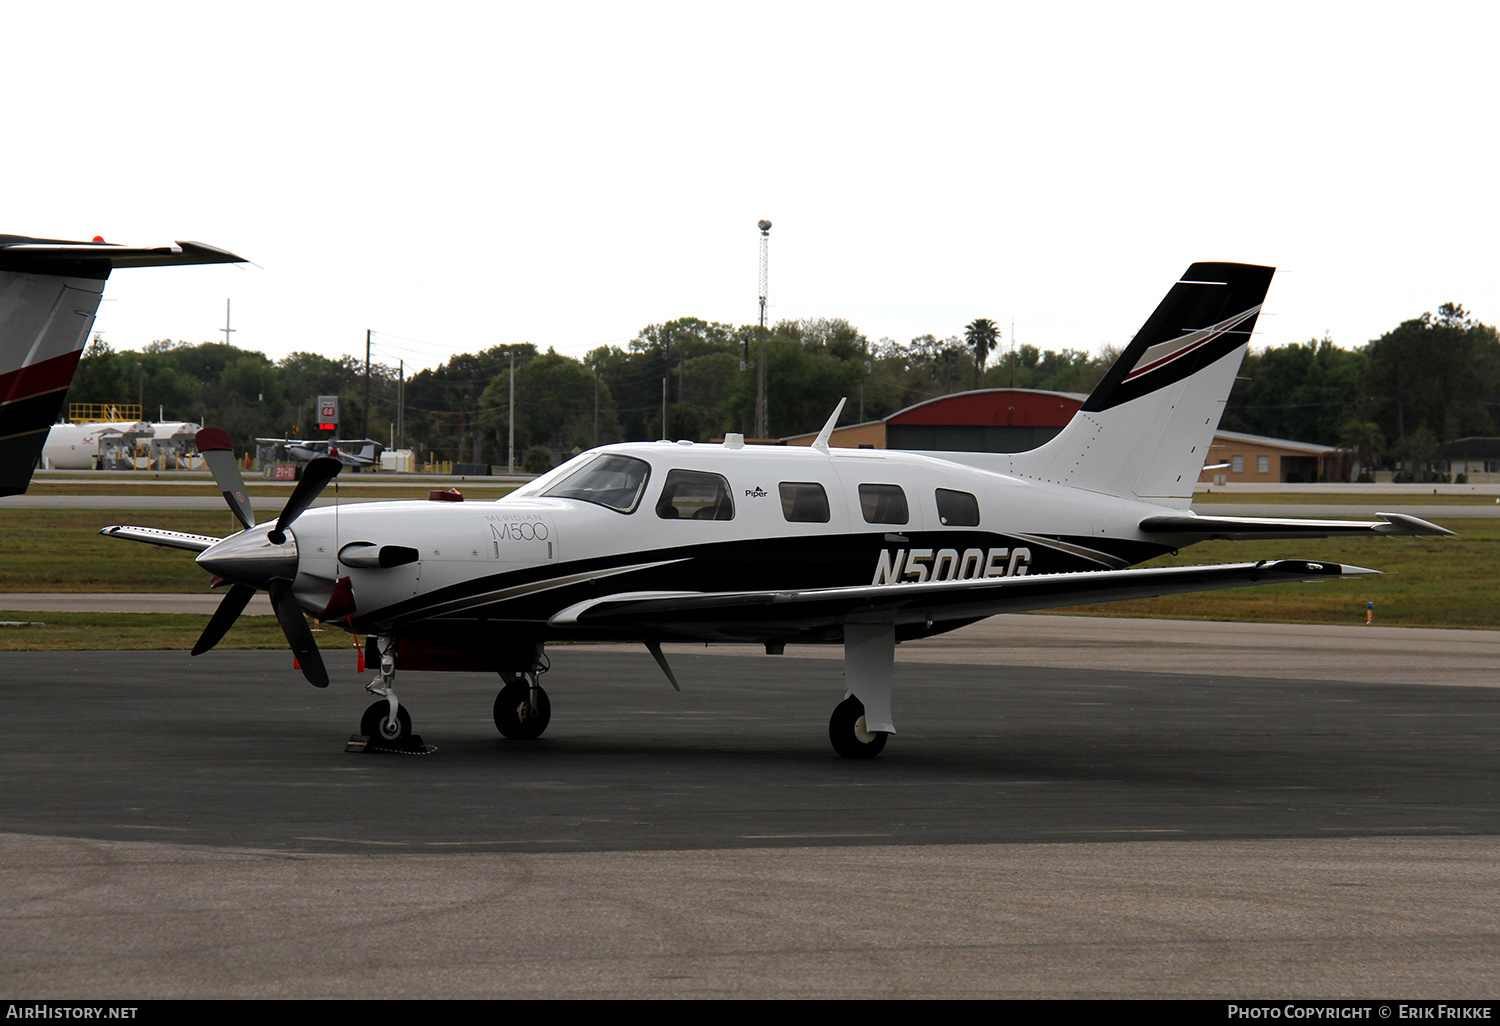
{"x":1145,"y":431}
{"x":49,"y":294}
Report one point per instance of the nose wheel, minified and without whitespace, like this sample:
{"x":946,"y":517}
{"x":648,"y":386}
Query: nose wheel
{"x":377,"y":726}
{"x":522,"y":710}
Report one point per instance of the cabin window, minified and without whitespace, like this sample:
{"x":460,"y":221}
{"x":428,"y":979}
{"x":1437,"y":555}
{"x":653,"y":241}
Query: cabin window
{"x":883,"y":504}
{"x":614,"y":482}
{"x":695,"y":495}
{"x":957,"y":509}
{"x":804,"y":502}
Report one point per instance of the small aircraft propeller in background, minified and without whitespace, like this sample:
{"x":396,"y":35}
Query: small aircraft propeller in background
{"x":249,"y":570}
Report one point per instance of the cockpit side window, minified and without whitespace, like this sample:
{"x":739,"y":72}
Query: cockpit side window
{"x":614,"y":482}
{"x":804,"y":502}
{"x":883,"y":504}
{"x":695,"y":495}
{"x":957,"y":509}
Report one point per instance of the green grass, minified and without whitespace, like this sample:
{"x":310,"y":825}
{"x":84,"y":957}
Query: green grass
{"x":138,"y":631}
{"x":62,"y":550}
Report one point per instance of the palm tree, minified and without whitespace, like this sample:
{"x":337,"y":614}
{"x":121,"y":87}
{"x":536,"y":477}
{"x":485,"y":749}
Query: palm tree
{"x":982,"y":336}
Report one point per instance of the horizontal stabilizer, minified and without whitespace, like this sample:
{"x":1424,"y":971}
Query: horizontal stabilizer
{"x":166,"y":539}
{"x":1200,"y":528}
{"x":771,"y":615}
{"x":55,"y":256}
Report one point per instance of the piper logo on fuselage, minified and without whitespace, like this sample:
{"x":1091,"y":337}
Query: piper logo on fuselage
{"x":897,"y":566}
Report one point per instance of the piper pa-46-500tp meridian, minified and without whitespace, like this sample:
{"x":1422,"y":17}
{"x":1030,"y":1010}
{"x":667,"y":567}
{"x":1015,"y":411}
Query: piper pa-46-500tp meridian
{"x":661,"y":541}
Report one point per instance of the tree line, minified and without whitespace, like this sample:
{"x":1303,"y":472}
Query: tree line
{"x":1430,"y":380}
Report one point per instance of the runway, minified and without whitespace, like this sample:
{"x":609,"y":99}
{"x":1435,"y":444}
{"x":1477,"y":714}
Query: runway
{"x":1195,"y":827}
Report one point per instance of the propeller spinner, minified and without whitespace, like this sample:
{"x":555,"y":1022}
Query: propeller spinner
{"x":261,"y":557}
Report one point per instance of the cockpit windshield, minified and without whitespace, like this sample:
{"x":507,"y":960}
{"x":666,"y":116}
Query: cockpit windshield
{"x":614,"y":482}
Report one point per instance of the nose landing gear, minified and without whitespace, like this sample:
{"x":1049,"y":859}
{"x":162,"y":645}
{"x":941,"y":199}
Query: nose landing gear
{"x":386,"y":723}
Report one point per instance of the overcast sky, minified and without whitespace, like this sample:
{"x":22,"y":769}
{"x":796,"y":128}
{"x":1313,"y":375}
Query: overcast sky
{"x":455,"y":176}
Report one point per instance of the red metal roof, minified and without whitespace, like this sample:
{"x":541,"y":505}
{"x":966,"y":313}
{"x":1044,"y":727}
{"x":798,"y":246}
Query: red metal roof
{"x":993,"y":407}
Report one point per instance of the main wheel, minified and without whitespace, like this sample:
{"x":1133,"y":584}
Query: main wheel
{"x":514,"y":716}
{"x":375,"y":724}
{"x":846,"y":729}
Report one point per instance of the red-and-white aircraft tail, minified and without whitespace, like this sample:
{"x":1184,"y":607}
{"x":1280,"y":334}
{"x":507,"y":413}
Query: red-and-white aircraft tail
{"x":49,"y":293}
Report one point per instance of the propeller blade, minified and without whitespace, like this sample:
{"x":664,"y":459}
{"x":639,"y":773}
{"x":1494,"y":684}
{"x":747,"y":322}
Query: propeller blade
{"x":298,"y":634}
{"x":218,"y":452}
{"x":315,"y":477}
{"x":235,"y":601}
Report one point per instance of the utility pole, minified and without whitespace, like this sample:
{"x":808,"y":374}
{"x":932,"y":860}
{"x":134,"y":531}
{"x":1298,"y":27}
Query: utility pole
{"x":596,"y":404}
{"x":761,"y":428}
{"x":401,"y":404}
{"x":227,"y":330}
{"x":365,"y":432}
{"x":510,"y":459}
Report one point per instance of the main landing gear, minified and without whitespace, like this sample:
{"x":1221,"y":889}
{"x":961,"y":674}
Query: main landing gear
{"x":522,"y":708}
{"x":850,"y":734}
{"x":861,"y":723}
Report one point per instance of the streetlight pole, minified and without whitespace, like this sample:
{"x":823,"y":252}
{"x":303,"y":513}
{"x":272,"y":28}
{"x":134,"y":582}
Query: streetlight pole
{"x":365,"y":431}
{"x":510,"y":464}
{"x":761,"y":428}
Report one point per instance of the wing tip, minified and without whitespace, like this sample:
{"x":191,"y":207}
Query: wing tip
{"x":1405,"y":523}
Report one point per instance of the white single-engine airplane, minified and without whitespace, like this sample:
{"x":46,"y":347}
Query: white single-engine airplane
{"x":676,"y":541}
{"x":49,"y":292}
{"x":351,"y":453}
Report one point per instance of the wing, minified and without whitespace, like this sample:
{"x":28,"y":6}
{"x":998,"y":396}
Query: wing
{"x":166,"y":539}
{"x":772,"y":615}
{"x":1194,"y":528}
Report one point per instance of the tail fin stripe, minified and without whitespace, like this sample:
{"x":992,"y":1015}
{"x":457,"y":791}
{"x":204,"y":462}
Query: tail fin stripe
{"x":47,"y":376}
{"x":1189,"y":343}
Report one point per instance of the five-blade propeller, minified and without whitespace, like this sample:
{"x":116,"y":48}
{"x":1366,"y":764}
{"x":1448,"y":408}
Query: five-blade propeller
{"x":273,"y":572}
